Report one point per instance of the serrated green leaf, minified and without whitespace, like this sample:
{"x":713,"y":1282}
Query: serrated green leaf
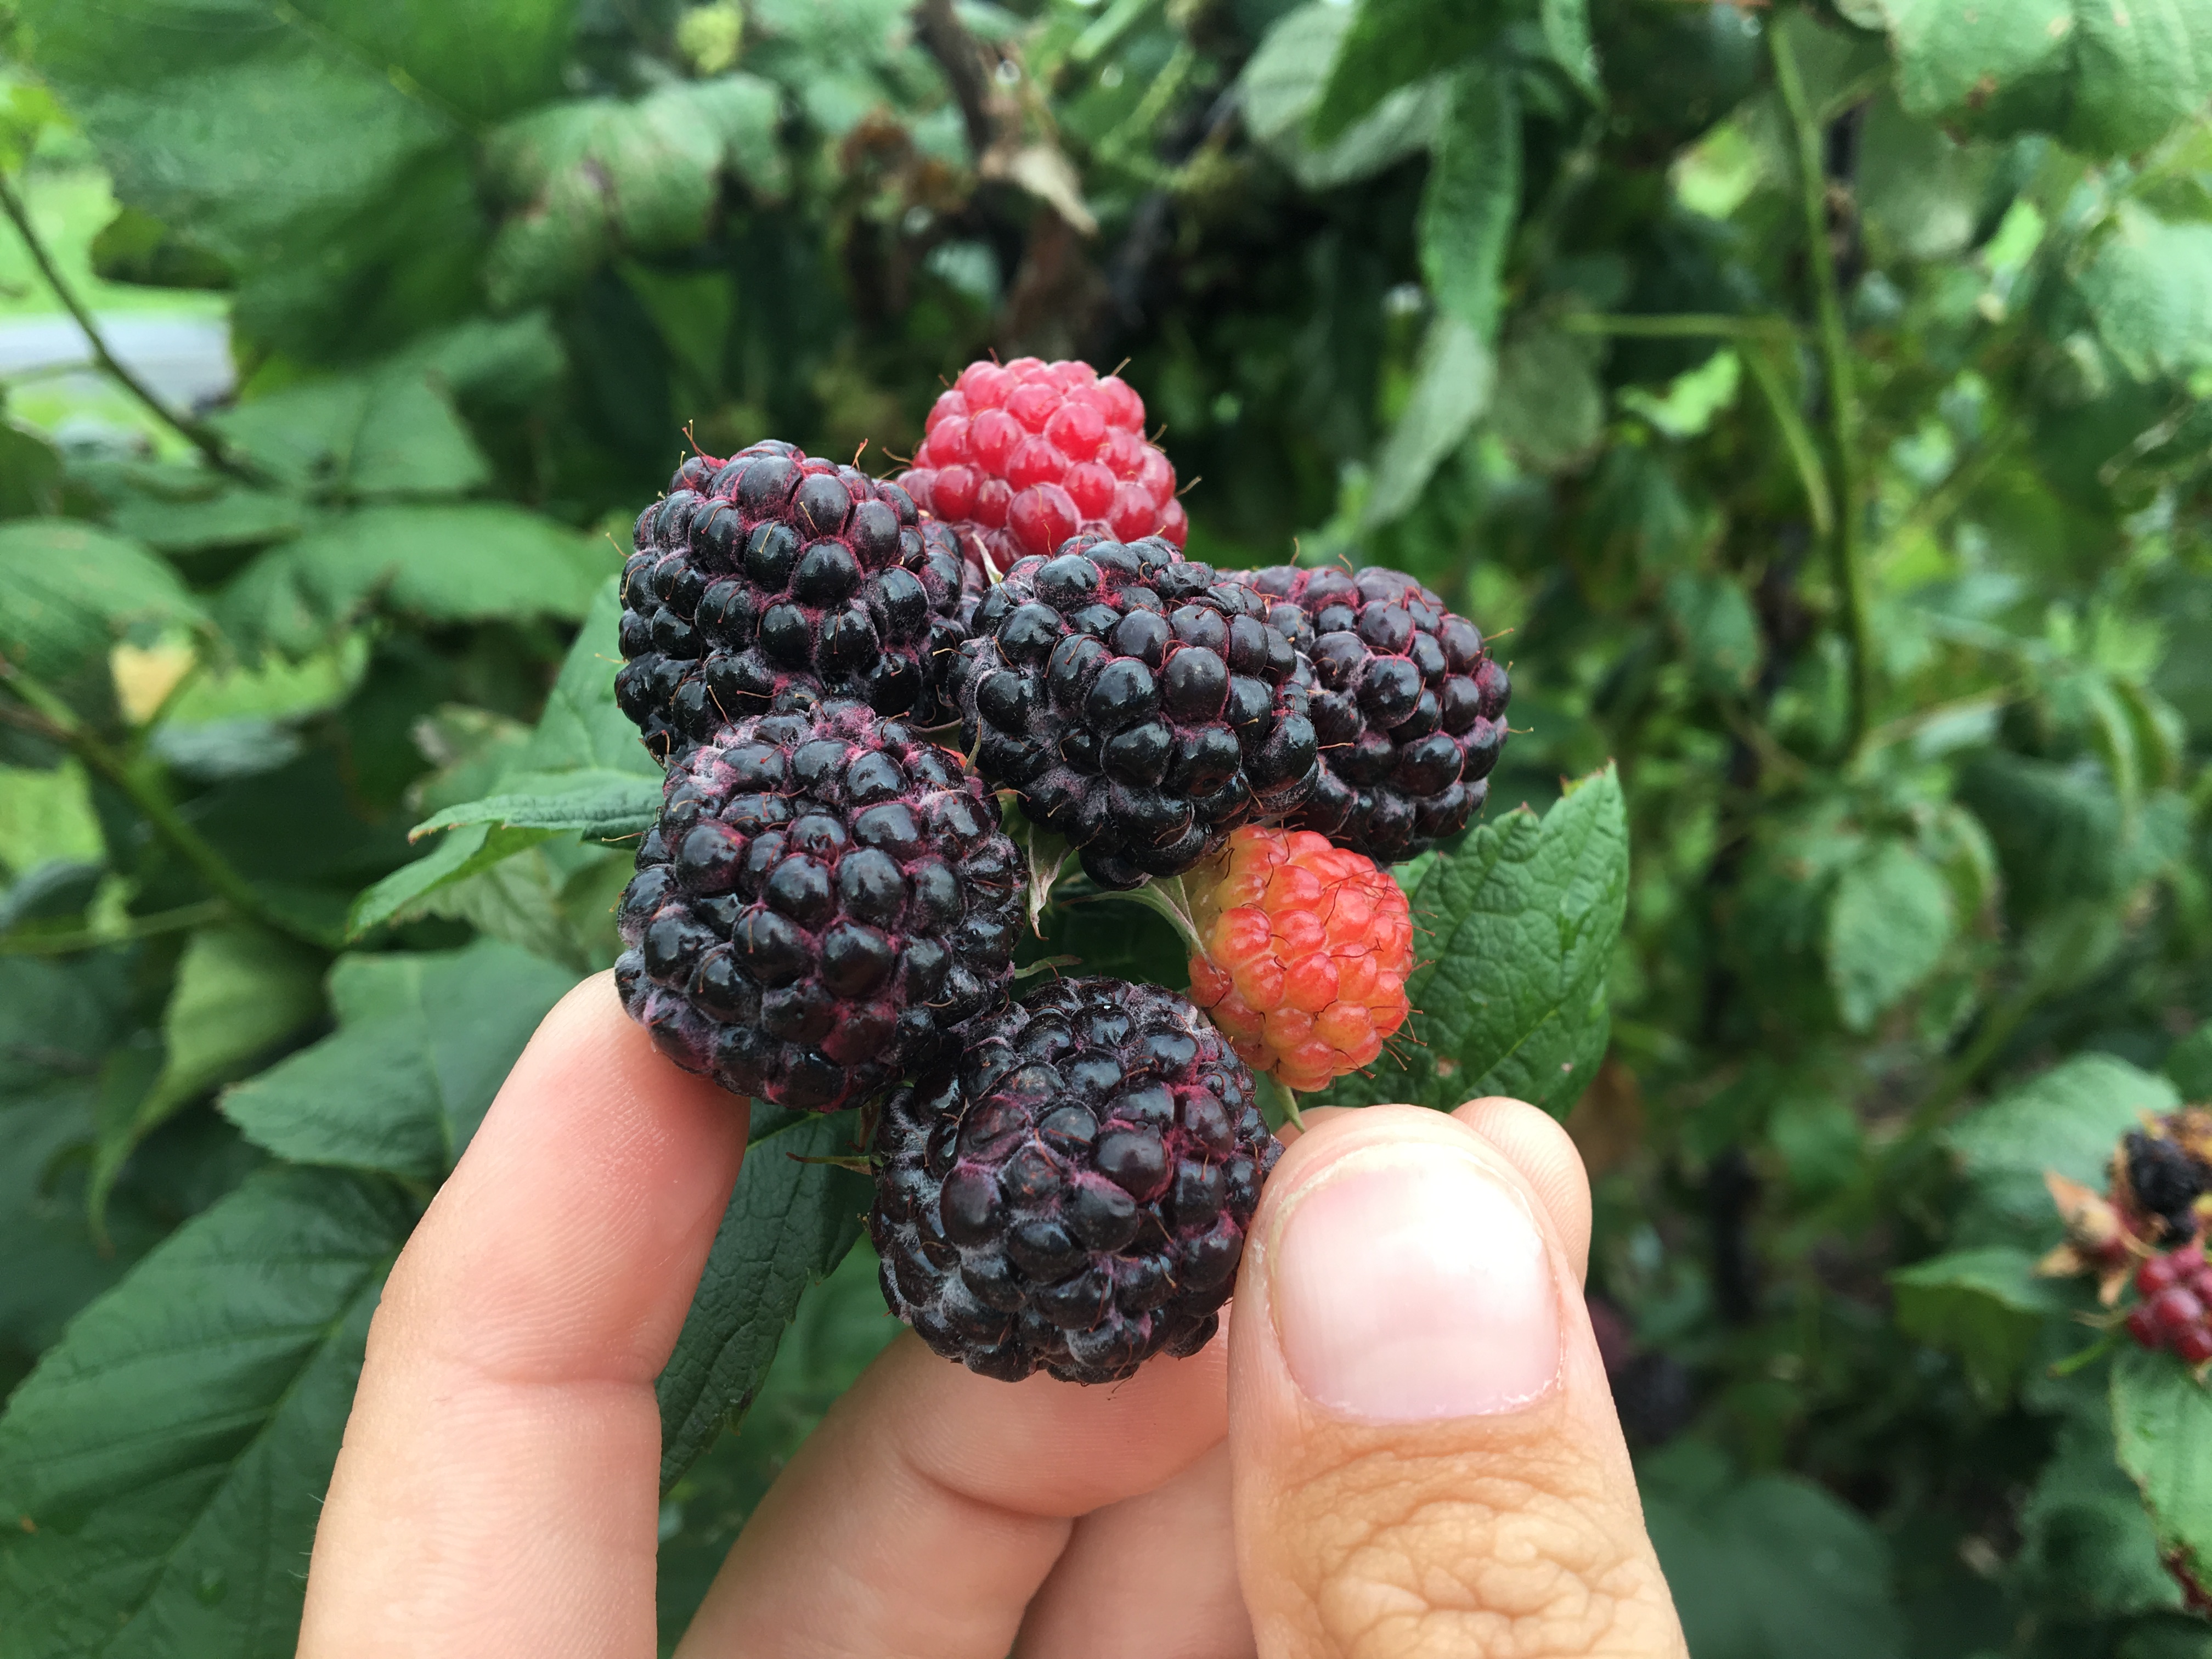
{"x":2087,"y":1542}
{"x":597,"y":175}
{"x":1456,"y":375}
{"x":1776,"y":1568}
{"x":2105,"y":78}
{"x":1550,"y":409}
{"x":1521,"y":922}
{"x":1986,"y":1305}
{"x":388,"y":432}
{"x":459,"y":563}
{"x":1391,"y":43}
{"x":257,"y":129}
{"x":167,"y":1460}
{"x":599,"y":803}
{"x":1472,"y":198}
{"x":1718,"y":628}
{"x":2162,"y":1423}
{"x":2069,"y":1119}
{"x":424,"y":1040}
{"x":581,"y":728}
{"x":237,"y":518}
{"x":2149,"y":288}
{"x":68,"y":592}
{"x":464,"y":852}
{"x":1890,"y":920}
{"x":787,"y":1225}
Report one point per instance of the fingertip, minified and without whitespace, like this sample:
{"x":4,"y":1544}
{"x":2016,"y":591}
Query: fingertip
{"x":1537,"y":1146}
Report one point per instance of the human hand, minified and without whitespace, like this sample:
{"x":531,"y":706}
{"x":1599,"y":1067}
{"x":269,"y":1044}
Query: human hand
{"x":1404,"y":1445}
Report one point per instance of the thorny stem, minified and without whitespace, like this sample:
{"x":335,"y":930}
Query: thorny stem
{"x":61,"y":944}
{"x":54,"y":720}
{"x":1836,"y":363}
{"x":193,"y":432}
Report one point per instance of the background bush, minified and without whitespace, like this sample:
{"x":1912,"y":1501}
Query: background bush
{"x":1817,"y":396}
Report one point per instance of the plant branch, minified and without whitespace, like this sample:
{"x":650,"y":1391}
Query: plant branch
{"x":53,"y":718}
{"x":1686,"y":325}
{"x":957,"y":54}
{"x":1836,"y":363}
{"x":21,"y":943}
{"x":195,"y":432}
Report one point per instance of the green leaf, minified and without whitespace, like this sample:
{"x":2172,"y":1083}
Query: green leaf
{"x":1719,"y":629}
{"x":1523,"y":922}
{"x":1889,"y":922}
{"x":2069,"y":1119}
{"x":581,"y":728}
{"x":787,"y":1225}
{"x":1284,"y":81}
{"x":1921,"y":190}
{"x":1455,"y":374}
{"x":2149,"y":288}
{"x":2188,"y":1063}
{"x":257,"y":128}
{"x":2105,"y":78}
{"x":237,"y":518}
{"x":467,"y":851}
{"x":1550,"y":408}
{"x":2162,"y":1423}
{"x":137,"y":247}
{"x":424,"y":1040}
{"x":1390,"y":43}
{"x":1987,"y":1306}
{"x":239,"y":991}
{"x":599,"y":175}
{"x":389,"y":432}
{"x":167,"y":1460}
{"x":599,"y":803}
{"x":68,"y":592}
{"x":1775,"y":1568}
{"x":1472,"y":198}
{"x":1566,"y":27}
{"x":2087,"y":1542}
{"x":464,"y":563}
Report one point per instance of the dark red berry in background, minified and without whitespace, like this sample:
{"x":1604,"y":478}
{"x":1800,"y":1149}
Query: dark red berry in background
{"x":824,"y":900}
{"x":778,"y":576}
{"x":2144,"y":1327}
{"x":1138,"y":703}
{"x":1073,"y":1196}
{"x":1021,"y":456}
{"x":2176,"y":1310}
{"x":1407,"y":706}
{"x":2194,"y":1345}
{"x":2156,"y":1275}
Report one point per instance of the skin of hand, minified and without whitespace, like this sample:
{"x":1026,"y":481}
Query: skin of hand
{"x":1404,"y":1448}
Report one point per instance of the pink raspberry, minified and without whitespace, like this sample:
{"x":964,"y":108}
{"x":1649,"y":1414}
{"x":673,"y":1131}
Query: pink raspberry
{"x":1020,"y":456}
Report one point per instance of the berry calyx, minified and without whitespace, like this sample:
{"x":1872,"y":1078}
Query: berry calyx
{"x":825,"y":899}
{"x":1073,"y":1196}
{"x":1304,"y":952}
{"x":1020,"y":456}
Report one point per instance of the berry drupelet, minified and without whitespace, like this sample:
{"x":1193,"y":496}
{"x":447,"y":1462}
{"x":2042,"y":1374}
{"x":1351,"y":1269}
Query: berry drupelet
{"x":1073,"y":1196}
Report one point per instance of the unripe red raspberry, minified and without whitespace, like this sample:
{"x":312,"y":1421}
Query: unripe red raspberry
{"x":2176,"y":1310}
{"x":1304,"y":952}
{"x":2143,"y":1327}
{"x":2156,"y":1275}
{"x":1020,"y":456}
{"x":2194,"y":1345}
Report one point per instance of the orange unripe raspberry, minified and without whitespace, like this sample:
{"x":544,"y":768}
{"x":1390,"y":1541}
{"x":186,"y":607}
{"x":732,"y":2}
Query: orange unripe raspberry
{"x":1304,"y":950}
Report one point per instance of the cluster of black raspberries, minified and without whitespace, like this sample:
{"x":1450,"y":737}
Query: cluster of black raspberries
{"x":826,"y":911}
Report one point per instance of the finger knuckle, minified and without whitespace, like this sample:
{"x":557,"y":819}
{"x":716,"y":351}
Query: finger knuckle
{"x":1499,"y":1566}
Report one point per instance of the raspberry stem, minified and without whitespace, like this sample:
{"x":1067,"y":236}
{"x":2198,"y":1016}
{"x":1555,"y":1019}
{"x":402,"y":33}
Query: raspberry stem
{"x":1164,"y":897}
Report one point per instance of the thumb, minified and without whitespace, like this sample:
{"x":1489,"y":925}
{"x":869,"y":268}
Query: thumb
{"x":1426,"y":1457}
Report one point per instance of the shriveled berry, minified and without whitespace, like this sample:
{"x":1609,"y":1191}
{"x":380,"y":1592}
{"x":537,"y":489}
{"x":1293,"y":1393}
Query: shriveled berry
{"x":1305,"y":949}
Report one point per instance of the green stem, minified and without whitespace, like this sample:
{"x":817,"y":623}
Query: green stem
{"x":189,"y":844}
{"x":1685,"y":325}
{"x":178,"y":921}
{"x":200,"y":436}
{"x":1836,"y":364}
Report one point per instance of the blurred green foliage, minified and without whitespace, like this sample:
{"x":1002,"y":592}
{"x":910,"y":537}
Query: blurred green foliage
{"x":1815,"y":400}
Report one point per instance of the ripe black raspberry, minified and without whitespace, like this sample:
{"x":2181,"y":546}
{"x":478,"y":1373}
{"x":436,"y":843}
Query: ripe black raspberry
{"x":1138,"y":702}
{"x":825,"y":898}
{"x":1409,"y":709}
{"x":774,"y":572}
{"x":2166,"y":1182}
{"x":1073,"y":1196}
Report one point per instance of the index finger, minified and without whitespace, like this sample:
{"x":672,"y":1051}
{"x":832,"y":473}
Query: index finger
{"x":498,"y":1490}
